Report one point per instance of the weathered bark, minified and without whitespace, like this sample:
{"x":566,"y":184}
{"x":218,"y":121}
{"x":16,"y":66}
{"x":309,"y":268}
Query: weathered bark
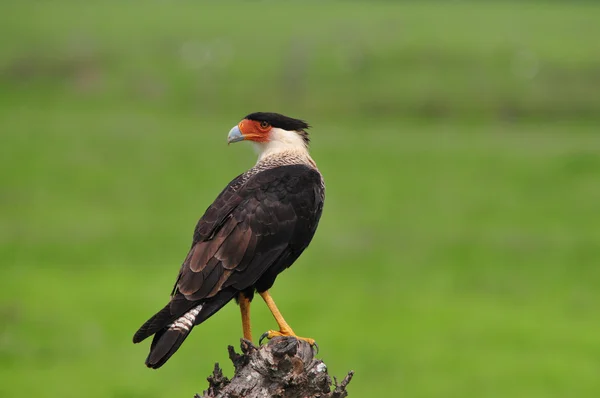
{"x":284,"y":368}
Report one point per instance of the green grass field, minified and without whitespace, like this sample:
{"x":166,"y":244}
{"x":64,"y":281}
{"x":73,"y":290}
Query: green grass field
{"x":459,"y":247}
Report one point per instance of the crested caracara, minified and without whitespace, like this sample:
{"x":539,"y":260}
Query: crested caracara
{"x":256,"y":228}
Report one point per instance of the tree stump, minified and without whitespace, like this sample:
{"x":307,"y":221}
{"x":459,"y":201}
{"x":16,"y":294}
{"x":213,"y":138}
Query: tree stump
{"x":284,"y":368}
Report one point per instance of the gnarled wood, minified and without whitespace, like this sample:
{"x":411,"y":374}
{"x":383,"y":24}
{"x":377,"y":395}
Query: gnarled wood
{"x":284,"y":368}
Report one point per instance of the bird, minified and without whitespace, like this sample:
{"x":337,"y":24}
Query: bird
{"x":257,"y":227}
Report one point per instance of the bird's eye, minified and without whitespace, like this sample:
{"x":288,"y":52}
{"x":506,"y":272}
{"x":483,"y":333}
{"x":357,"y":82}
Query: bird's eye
{"x":264,"y":125}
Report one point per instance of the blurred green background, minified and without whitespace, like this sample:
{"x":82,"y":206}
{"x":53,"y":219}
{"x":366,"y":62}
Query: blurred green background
{"x":458,"y":251}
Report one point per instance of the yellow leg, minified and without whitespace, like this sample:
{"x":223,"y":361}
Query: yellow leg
{"x":245,"y":310}
{"x":284,"y":328}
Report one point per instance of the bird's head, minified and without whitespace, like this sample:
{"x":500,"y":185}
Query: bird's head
{"x":271,"y":132}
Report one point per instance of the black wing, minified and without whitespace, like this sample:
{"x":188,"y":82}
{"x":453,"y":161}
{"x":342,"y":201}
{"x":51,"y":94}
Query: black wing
{"x":273,"y":215}
{"x":247,"y":233}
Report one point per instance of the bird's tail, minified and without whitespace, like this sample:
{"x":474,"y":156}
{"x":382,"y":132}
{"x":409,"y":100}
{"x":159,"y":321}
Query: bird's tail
{"x":167,"y":339}
{"x":170,"y":330}
{"x":164,"y":344}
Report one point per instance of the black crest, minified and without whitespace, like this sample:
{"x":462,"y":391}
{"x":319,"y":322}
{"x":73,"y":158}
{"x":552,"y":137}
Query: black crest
{"x":283,"y":122}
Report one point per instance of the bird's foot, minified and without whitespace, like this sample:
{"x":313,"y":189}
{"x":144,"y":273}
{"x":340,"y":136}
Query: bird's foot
{"x":285,"y":333}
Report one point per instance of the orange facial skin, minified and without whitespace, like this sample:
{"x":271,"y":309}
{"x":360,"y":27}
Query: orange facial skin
{"x":254,"y":130}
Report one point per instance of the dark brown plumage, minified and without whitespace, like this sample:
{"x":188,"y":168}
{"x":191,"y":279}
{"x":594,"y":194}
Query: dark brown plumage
{"x":257,"y":227}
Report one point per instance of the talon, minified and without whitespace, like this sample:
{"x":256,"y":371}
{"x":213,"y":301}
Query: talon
{"x":262,"y":337}
{"x":272,"y":333}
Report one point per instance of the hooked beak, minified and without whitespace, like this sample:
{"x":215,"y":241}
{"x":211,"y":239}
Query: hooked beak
{"x":235,"y":135}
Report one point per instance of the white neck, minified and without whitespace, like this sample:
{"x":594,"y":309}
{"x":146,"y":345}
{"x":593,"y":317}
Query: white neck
{"x":280,"y":142}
